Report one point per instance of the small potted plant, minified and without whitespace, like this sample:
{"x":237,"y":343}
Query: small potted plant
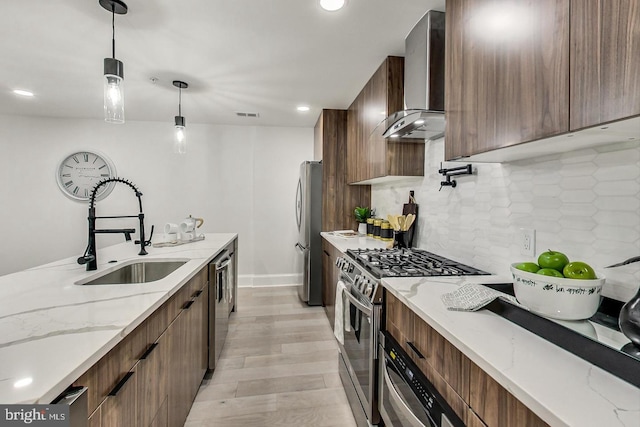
{"x":361,"y":215}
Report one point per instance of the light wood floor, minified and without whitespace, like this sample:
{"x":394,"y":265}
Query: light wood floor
{"x":278,"y":367}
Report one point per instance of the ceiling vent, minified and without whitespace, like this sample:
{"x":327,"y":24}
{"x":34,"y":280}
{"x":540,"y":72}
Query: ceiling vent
{"x":253,"y":115}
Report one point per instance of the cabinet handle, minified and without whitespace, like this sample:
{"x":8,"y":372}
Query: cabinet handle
{"x":187,"y":305}
{"x":197,"y":294}
{"x":415,"y":350}
{"x":326,"y":253}
{"x":121,"y":384}
{"x":149,"y":350}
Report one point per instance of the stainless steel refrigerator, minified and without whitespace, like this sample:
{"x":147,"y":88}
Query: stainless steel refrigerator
{"x":309,"y":222}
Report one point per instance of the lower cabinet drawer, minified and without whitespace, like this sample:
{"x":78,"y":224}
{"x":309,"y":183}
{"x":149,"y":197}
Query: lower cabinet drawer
{"x":495,"y":405}
{"x":426,"y":346}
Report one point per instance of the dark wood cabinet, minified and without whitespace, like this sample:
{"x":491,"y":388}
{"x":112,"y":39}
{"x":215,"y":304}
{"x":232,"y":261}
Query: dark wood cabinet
{"x":179,"y":399}
{"x":120,"y":407}
{"x":473,"y":395}
{"x":162,"y":416}
{"x":187,"y":336}
{"x":605,"y":59}
{"x":198,"y":321}
{"x":152,"y":381}
{"x":152,"y":376}
{"x":94,"y":419}
{"x":338,"y":198}
{"x":330,"y":276}
{"x":371,"y":157}
{"x":495,"y":405}
{"x":507,"y":73}
{"x":104,"y":376}
{"x":472,"y":419}
{"x":547,"y":68}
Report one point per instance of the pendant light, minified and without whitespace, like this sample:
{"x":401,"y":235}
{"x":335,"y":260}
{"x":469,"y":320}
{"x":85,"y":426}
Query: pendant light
{"x":180,"y":134}
{"x":113,"y":69}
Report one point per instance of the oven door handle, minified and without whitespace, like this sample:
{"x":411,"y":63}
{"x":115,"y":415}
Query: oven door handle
{"x":399,"y":401}
{"x":357,"y":304}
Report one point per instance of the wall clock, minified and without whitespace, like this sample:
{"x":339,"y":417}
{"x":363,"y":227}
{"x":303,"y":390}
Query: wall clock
{"x":80,"y":171}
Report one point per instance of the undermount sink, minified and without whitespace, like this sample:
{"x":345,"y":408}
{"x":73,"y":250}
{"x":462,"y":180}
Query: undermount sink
{"x":136,"y":272}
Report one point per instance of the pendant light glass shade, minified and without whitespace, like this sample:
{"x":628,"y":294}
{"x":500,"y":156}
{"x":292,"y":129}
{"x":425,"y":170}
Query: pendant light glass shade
{"x":113,"y":91}
{"x":180,"y":131}
{"x":180,"y":136}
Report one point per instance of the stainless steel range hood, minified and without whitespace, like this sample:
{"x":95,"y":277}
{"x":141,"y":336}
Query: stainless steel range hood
{"x":423,"y":116}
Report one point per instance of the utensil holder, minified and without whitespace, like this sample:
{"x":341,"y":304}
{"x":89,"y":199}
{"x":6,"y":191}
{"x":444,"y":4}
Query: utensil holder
{"x":401,"y":239}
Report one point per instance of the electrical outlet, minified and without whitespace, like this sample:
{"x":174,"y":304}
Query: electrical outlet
{"x":528,"y":242}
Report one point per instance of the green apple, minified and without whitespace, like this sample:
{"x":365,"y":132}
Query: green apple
{"x":579,"y":270}
{"x":531,"y":267}
{"x":553,"y":259}
{"x":549,"y":272}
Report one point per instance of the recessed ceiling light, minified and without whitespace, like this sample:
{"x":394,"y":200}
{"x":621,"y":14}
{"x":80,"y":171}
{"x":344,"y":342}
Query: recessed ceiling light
{"x":332,"y":5}
{"x":303,"y":108}
{"x":23,"y":92}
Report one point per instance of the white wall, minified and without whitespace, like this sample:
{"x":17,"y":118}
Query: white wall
{"x":584,"y":203}
{"x":238,"y":178}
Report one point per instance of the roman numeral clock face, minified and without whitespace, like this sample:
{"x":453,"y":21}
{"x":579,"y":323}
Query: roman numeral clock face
{"x":79,"y":172}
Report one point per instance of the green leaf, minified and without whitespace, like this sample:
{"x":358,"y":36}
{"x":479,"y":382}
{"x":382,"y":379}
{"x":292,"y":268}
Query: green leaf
{"x":361,"y":214}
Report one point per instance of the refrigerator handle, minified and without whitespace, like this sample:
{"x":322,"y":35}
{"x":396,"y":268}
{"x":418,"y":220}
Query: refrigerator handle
{"x":299,"y":203}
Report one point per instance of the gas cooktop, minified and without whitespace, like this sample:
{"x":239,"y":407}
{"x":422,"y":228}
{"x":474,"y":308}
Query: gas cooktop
{"x":409,"y":263}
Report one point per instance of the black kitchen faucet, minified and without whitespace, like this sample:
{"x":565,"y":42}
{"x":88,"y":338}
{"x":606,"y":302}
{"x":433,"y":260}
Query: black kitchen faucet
{"x":90,"y":254}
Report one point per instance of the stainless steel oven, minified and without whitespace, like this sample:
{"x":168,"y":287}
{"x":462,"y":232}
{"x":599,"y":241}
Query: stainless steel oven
{"x":407,"y":397}
{"x":358,"y":356}
{"x":361,"y":271}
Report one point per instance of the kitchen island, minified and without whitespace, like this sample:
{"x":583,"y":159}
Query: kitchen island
{"x":557,"y":386}
{"x":53,"y":330}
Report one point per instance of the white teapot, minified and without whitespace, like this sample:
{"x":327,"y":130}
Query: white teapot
{"x":189,"y":226}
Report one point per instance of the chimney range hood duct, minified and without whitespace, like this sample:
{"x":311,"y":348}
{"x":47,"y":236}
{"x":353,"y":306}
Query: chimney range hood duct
{"x":423,"y":116}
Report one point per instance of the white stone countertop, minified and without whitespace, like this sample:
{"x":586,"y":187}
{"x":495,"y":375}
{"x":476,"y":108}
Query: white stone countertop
{"x":52,"y":330}
{"x":344,"y":243}
{"x":561,"y":388}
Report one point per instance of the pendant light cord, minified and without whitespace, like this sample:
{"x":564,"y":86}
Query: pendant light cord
{"x":113,"y":30}
{"x":180,"y":100}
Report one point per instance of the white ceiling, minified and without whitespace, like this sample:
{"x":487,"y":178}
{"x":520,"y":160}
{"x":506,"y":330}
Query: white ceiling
{"x":263,"y":56}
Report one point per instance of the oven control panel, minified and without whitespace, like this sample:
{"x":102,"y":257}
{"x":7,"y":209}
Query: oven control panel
{"x":345,"y":265}
{"x":362,"y":283}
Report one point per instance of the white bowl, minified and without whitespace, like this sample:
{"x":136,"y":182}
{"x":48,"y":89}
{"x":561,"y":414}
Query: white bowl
{"x":557,"y":297}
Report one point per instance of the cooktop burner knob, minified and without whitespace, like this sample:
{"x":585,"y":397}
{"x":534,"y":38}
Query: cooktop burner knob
{"x":363,"y":284}
{"x":368,"y":290}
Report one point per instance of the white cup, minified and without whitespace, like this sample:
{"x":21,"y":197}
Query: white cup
{"x":170,"y":237}
{"x":170,"y":228}
{"x":187,"y":226}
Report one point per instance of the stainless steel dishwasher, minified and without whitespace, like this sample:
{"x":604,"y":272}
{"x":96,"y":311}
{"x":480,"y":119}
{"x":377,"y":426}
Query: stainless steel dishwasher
{"x":76,"y":398}
{"x":219,"y":304}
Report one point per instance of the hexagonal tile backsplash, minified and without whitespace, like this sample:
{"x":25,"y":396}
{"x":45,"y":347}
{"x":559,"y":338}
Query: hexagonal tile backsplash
{"x":584,"y":203}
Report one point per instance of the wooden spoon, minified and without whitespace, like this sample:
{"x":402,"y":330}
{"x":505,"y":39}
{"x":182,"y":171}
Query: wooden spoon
{"x":401,"y":219}
{"x":392,"y":221}
{"x":409,"y":221}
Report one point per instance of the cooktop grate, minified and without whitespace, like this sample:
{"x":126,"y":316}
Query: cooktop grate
{"x":409,"y":263}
